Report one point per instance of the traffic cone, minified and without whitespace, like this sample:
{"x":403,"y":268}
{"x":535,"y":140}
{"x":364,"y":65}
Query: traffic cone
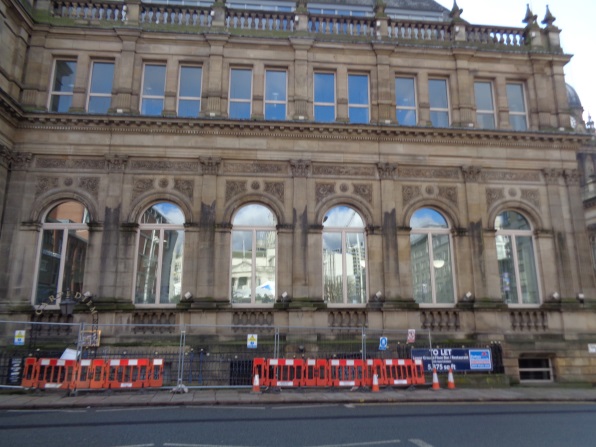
{"x":450,"y":381}
{"x":436,"y":385}
{"x":375,"y":385}
{"x":256,"y":388}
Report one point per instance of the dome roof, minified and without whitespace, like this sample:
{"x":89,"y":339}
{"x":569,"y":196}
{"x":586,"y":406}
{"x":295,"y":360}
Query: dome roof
{"x":573,"y":98}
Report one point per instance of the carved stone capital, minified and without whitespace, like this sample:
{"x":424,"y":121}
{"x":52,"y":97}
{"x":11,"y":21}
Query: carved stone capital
{"x":130,"y":227}
{"x":210,"y":165}
{"x":552,"y":176}
{"x":5,"y":156}
{"x":300,"y":168}
{"x":21,"y":160}
{"x":472,"y":174}
{"x":387,"y":170}
{"x":116,"y":163}
{"x":285,"y":228}
{"x":571,"y":177}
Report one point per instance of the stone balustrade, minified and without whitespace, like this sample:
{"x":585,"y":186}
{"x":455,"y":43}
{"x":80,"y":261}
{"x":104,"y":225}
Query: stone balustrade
{"x":89,"y":11}
{"x":417,"y":31}
{"x":341,"y":25}
{"x":493,"y":35}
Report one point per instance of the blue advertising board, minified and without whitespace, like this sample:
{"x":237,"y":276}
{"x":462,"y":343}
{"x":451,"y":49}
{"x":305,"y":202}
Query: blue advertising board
{"x":458,"y":359}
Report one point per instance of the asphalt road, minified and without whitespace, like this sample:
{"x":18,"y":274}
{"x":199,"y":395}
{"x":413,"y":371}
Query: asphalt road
{"x":408,"y":425}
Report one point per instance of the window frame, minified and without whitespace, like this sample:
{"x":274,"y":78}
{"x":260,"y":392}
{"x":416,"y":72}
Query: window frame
{"x":232,"y":100}
{"x":524,"y":102}
{"x":162,"y":97}
{"x":414,"y":108}
{"x":446,"y":110}
{"x":58,"y":93}
{"x":321,"y":103}
{"x":91,"y":94}
{"x":275,"y":102}
{"x":189,"y":98}
{"x":366,"y":106}
{"x":486,"y":112}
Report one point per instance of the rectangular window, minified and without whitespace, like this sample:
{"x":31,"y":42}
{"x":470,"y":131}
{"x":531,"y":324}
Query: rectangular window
{"x":240,"y":100}
{"x":189,"y":91}
{"x":439,"y":102}
{"x":62,"y":86}
{"x":535,"y":370}
{"x":275,"y":95}
{"x":324,"y":97}
{"x":517,"y":107}
{"x":154,"y":84}
{"x":405,"y":101}
{"x":100,"y":87}
{"x":358,"y":105}
{"x":485,"y":108}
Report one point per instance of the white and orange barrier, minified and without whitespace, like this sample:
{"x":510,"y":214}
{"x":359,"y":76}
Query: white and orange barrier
{"x":284,"y":372}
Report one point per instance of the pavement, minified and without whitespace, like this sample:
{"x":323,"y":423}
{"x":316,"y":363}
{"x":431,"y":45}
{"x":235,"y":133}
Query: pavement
{"x":15,"y":399}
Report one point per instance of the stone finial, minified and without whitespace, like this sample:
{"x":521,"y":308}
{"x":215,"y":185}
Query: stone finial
{"x":456,"y":11}
{"x":530,"y":18}
{"x":549,"y":19}
{"x":380,"y":8}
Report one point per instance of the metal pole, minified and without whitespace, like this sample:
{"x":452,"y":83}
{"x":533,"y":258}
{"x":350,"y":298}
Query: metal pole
{"x":180,"y":387}
{"x":363,"y":343}
{"x":80,"y":340}
{"x":430,"y":350}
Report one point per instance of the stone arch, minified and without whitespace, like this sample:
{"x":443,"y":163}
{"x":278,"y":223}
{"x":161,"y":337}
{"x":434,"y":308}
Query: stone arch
{"x":360,"y":206}
{"x":259,"y":199}
{"x":145,"y":201}
{"x":449,"y":212}
{"x":44,"y":203}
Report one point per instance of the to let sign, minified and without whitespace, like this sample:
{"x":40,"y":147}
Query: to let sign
{"x":456,"y":359}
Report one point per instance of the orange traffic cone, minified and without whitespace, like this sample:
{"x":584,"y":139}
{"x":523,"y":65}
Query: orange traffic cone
{"x":375,"y":385}
{"x":256,"y":388}
{"x":436,"y":385}
{"x":450,"y":381}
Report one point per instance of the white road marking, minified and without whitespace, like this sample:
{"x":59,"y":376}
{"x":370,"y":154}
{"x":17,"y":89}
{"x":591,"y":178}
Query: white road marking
{"x":357,"y":444}
{"x":293,"y":407}
{"x":419,"y":443}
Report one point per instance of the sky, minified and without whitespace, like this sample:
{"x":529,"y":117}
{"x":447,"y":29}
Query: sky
{"x":575,"y":19}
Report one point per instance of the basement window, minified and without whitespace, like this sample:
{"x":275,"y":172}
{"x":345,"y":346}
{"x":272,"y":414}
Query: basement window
{"x":535,"y":370}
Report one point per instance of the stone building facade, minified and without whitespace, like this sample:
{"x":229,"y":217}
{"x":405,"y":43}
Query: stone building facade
{"x":273,"y":163}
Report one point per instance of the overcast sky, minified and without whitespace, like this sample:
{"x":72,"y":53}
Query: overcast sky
{"x":576,"y":20}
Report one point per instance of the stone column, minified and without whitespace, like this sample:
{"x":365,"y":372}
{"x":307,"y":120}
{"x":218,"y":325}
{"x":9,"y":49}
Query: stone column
{"x":302,"y":111}
{"x":124,"y":74}
{"x":79,"y":91}
{"x":385,"y":84}
{"x":501,"y":103}
{"x":342,"y":94}
{"x":213,"y":93}
{"x":463,"y":102}
{"x":423,"y":99}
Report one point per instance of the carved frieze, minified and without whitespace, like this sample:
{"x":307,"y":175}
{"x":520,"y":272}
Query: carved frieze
{"x":210,"y":165}
{"x":300,"y":168}
{"x":364,"y":191}
{"x":276,"y":189}
{"x":116,"y":163}
{"x":493,"y":195}
{"x":184,"y":186}
{"x":90,"y":184}
{"x":163,"y":166}
{"x":511,"y":176}
{"x":255,"y":167}
{"x":446,"y":173}
{"x":324,"y":190}
{"x":68,"y":163}
{"x":472,"y":174}
{"x":5,"y":155}
{"x":448,"y":193}
{"x":234,"y":188}
{"x":387,"y":170}
{"x":410,"y":192}
{"x":342,"y":170}
{"x":532,"y":196}
{"x":45,"y":184}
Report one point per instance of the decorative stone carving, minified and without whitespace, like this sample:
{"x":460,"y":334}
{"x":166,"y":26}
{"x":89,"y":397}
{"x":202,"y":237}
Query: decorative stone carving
{"x":21,"y":160}
{"x":5,"y":155}
{"x":276,"y":189}
{"x":163,"y":166}
{"x":67,"y":181}
{"x":344,"y":187}
{"x":571,"y":177}
{"x":429,"y":190}
{"x":252,"y":318}
{"x":348,"y":318}
{"x":511,"y":176}
{"x":448,"y":193}
{"x":410,"y":192}
{"x":447,"y":320}
{"x":300,"y":168}
{"x":116,"y":163}
{"x":255,"y":168}
{"x":432,"y":173}
{"x":493,"y":195}
{"x":185,"y":186}
{"x":472,"y":174}
{"x":45,"y":184}
{"x":210,"y":165}
{"x":552,"y":176}
{"x":234,"y":188}
{"x":163,"y":182}
{"x":90,"y":184}
{"x":512,"y":192}
{"x":65,"y":163}
{"x":364,"y":191}
{"x":323,"y":190}
{"x":532,"y":196}
{"x":141,"y":185}
{"x":255,"y":186}
{"x":528,"y":321}
{"x":387,"y":170}
{"x":342,"y":170}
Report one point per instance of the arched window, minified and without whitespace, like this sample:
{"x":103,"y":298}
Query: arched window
{"x":63,"y":251}
{"x":253,"y":255}
{"x":160,"y":252}
{"x":517,"y":263}
{"x":430,"y":256}
{"x":344,"y":257}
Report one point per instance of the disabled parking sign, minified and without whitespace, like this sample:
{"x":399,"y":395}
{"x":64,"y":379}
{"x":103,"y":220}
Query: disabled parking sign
{"x":383,"y":344}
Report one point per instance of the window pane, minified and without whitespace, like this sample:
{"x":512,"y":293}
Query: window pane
{"x":147,"y":258}
{"x":405,"y":95}
{"x":442,"y":268}
{"x":74,"y":265}
{"x":68,"y":212}
{"x":163,"y":213}
{"x":265,"y":267}
{"x":358,"y":115}
{"x":49,"y":265}
{"x":325,"y":88}
{"x":240,"y":84}
{"x":343,"y":217}
{"x":527,"y":270}
{"x":190,"y":82}
{"x":419,"y":257}
{"x":510,"y":220}
{"x":428,"y":218}
{"x":240,"y":110}
{"x":356,"y":268}
{"x":102,"y":77}
{"x":275,"y":83}
{"x":358,"y":89}
{"x":333,"y":268}
{"x":518,"y":122}
{"x":484,"y":96}
{"x":485,"y":120}
{"x":64,"y":76}
{"x":254,"y":215}
{"x":171,"y":270}
{"x":60,"y":103}
{"x":154,"y":80}
{"x":275,"y":112}
{"x":438,"y":93}
{"x":506,"y":269}
{"x":439,"y":119}
{"x":189,"y":108}
{"x":152,"y":106}
{"x":99,"y":104}
{"x":406,"y":117}
{"x":515,"y":98}
{"x":324,"y":114}
{"x":241,"y":266}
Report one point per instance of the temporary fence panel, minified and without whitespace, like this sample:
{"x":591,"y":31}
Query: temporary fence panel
{"x":30,"y":373}
{"x":418,"y":372}
{"x":56,"y":373}
{"x":284,"y":372}
{"x":374,"y":367}
{"x":316,"y":372}
{"x":127,"y":373}
{"x":397,"y":372}
{"x":346,"y":372}
{"x":155,"y":378}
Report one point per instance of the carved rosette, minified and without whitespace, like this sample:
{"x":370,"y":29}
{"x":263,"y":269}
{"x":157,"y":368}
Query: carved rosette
{"x":141,"y":185}
{"x":45,"y":184}
{"x":532,"y":196}
{"x":364,"y":191}
{"x":387,"y":170}
{"x":324,"y":190}
{"x":493,"y":195}
{"x":184,"y":186}
{"x":90,"y":184}
{"x":472,"y":174}
{"x":300,"y":168}
{"x":410,"y":192}
{"x":276,"y":189}
{"x":210,"y":165}
{"x":552,"y":176}
{"x":234,"y":188}
{"x":116,"y":163}
{"x":22,"y":160}
{"x":448,"y":193}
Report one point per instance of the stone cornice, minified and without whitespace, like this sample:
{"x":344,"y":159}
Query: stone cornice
{"x":301,"y":130}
